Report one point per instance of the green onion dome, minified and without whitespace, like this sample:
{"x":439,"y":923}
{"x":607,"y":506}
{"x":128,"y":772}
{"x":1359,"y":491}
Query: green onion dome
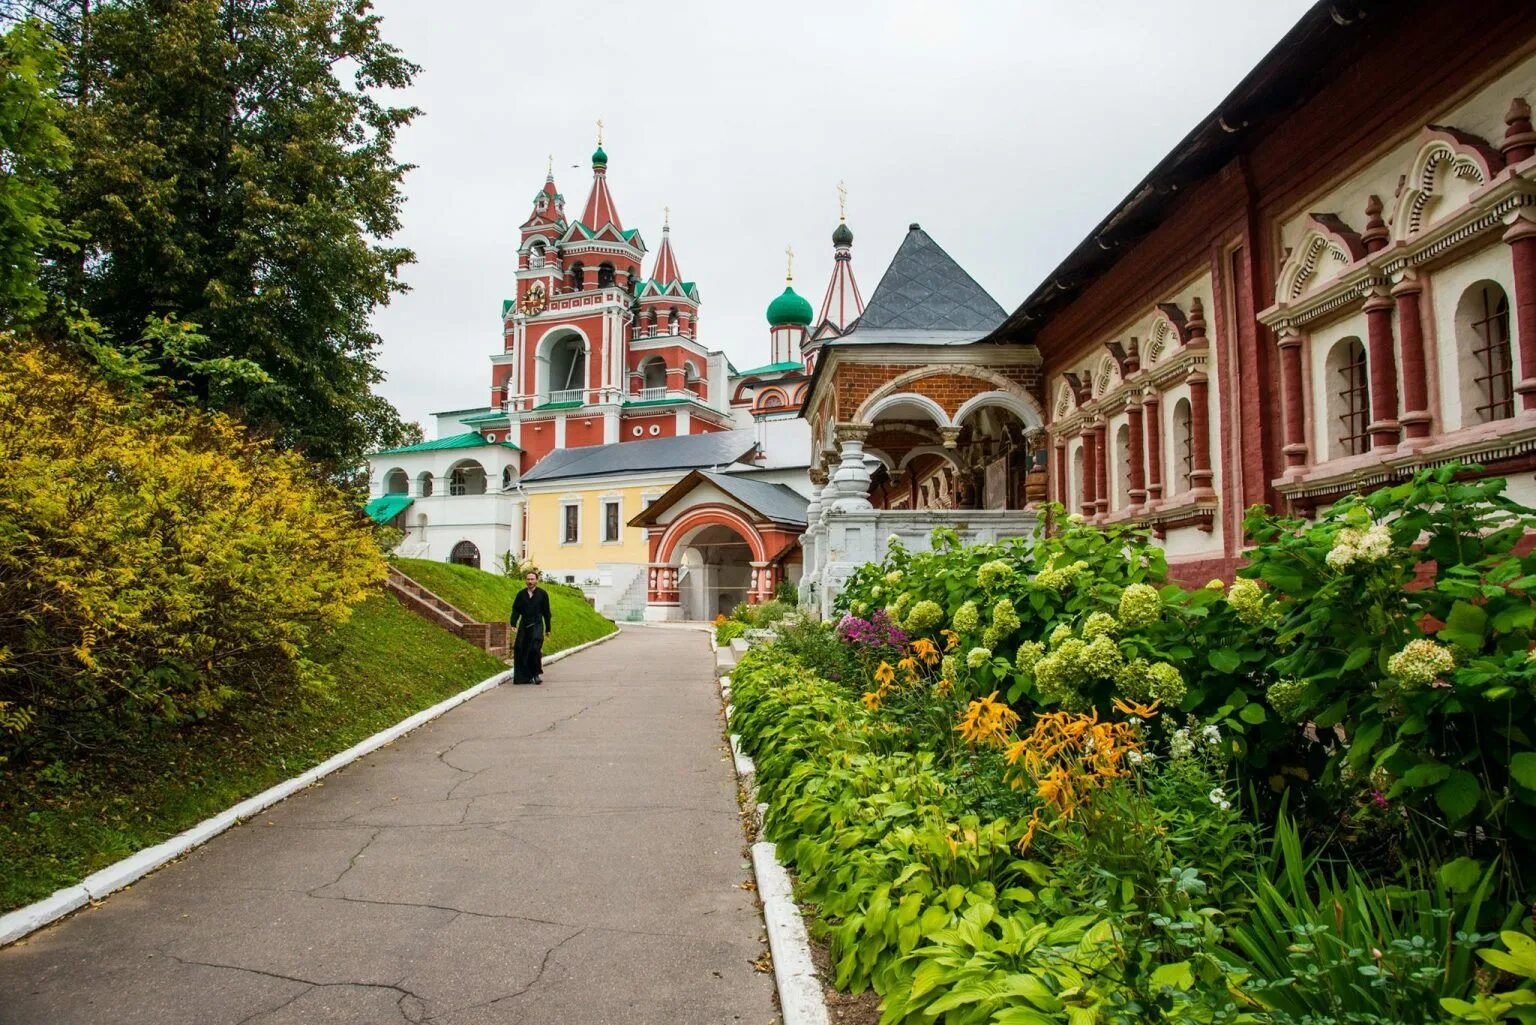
{"x":791,"y":308}
{"x":599,"y":157}
{"x":842,"y":236}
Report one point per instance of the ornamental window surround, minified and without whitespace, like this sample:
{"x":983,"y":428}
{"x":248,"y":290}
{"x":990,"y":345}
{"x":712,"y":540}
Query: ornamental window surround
{"x":612,"y":530}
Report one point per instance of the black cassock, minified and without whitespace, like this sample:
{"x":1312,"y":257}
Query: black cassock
{"x":530,"y":617}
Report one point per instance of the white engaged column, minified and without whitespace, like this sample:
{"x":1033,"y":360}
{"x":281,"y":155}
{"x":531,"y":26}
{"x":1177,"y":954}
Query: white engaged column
{"x":852,"y":477}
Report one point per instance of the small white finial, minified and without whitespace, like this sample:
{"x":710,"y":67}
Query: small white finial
{"x":549,"y":168}
{"x":789,"y":270}
{"x":842,"y":202}
{"x":599,"y":132}
{"x":666,"y":218}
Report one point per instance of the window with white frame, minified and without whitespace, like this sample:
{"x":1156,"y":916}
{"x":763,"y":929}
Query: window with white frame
{"x":611,"y":521}
{"x":1487,"y":368}
{"x":1183,"y":447}
{"x":1349,"y":399}
{"x":570,"y":523}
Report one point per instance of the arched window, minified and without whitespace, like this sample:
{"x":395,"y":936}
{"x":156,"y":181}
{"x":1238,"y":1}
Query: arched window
{"x":424,"y":484}
{"x":1076,"y":492}
{"x":465,"y":554}
{"x":672,"y":320}
{"x":536,"y":253}
{"x":421,"y":525}
{"x":605,"y":275}
{"x":507,"y":478}
{"x":653,"y":374}
{"x":396,"y":482}
{"x":1485,"y":360}
{"x":578,"y":276}
{"x":1349,"y":399}
{"x":466,"y":478}
{"x":567,"y":370}
{"x":1123,"y":467}
{"x":1183,"y":447}
{"x":773,"y":400}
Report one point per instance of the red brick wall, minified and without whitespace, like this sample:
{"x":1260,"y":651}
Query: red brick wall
{"x":667,"y":421}
{"x":583,"y":430}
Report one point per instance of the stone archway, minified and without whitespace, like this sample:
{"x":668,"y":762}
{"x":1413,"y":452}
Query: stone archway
{"x":710,"y":557}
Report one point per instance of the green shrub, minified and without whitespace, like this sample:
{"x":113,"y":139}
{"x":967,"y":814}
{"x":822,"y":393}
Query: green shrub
{"x":156,"y":563}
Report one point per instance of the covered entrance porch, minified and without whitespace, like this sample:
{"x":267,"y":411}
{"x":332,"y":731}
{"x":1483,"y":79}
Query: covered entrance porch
{"x":717,"y":540}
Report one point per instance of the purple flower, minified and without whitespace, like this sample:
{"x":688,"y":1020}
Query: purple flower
{"x":1378,"y":799}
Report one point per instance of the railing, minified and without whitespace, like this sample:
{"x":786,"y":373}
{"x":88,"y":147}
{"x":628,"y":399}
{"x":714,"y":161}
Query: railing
{"x":567,"y":395}
{"x":649,"y":394}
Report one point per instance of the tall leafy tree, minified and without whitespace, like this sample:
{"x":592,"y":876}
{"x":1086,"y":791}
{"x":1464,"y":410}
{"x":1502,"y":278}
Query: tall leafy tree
{"x":33,"y":148}
{"x":234,"y":168}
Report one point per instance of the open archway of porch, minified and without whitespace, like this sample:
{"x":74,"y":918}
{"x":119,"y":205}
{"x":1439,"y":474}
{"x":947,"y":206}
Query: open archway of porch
{"x":708,"y":560}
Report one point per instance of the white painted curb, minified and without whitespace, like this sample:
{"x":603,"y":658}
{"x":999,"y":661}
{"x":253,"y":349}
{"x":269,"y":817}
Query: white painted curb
{"x":800,"y":998}
{"x":16,"y":924}
{"x":746,"y":768}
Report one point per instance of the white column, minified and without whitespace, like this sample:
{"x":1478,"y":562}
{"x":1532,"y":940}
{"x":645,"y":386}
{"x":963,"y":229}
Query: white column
{"x":559,"y":430}
{"x":852,"y":477}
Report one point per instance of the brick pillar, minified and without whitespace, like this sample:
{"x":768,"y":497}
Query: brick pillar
{"x":1152,"y":431}
{"x":1062,"y":473}
{"x":1410,"y":327}
{"x":1384,"y":427}
{"x":1138,"y":495}
{"x":1200,"y":473}
{"x":1090,"y":471}
{"x":1292,"y":398}
{"x":1521,"y":237}
{"x":1101,"y":465}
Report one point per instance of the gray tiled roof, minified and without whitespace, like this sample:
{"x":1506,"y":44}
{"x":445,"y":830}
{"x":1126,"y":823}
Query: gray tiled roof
{"x":689,"y":452}
{"x":777,"y":502}
{"x":924,"y":291}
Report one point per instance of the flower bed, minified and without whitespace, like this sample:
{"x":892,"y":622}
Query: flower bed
{"x":1030,"y":784}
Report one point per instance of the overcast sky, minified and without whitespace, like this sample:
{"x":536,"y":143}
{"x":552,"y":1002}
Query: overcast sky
{"x":1007,"y":129}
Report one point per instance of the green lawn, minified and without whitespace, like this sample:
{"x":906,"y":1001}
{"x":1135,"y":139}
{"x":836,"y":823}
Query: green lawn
{"x":488,"y":598}
{"x":61,"y":822}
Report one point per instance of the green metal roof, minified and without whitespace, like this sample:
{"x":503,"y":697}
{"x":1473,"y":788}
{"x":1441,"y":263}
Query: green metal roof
{"x":481,"y":418}
{"x":790,"y":308}
{"x":386,"y":507}
{"x":472,"y":439}
{"x":771,"y":368}
{"x":556,"y":405}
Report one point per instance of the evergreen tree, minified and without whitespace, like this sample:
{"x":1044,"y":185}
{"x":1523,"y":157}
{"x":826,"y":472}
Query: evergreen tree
{"x":233,"y":168}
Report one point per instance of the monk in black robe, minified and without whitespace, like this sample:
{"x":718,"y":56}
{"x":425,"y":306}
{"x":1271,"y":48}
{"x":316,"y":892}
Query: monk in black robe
{"x":530,"y":625}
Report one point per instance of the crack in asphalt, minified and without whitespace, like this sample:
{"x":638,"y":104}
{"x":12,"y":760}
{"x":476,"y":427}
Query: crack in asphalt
{"x":394,"y":987}
{"x":537,"y":978}
{"x":555,"y":724}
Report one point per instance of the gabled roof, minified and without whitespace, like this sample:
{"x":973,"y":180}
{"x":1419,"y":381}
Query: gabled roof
{"x":768,"y":502}
{"x":924,"y":292}
{"x":473,"y":439}
{"x":687,"y":452}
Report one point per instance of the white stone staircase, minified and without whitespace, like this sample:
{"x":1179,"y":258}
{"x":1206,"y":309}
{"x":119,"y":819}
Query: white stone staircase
{"x":629,"y":607}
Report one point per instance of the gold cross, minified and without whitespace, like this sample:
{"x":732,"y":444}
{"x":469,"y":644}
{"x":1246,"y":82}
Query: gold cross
{"x":549,"y":169}
{"x":666,"y":217}
{"x":599,"y":131}
{"x":789,"y":271}
{"x":842,"y":201}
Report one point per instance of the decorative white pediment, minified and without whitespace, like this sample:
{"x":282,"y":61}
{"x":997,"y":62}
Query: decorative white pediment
{"x":1449,"y":166}
{"x":1162,"y":339}
{"x":1326,"y":248}
{"x":1065,"y":401}
{"x":1105,"y":377}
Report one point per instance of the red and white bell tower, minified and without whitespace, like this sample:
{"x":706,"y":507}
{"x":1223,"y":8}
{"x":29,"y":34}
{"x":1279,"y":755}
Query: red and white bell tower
{"x":594,"y":352}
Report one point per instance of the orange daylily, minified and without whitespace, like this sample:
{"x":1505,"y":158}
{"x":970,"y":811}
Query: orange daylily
{"x":1127,"y":707}
{"x":951,"y":638}
{"x":926,"y":650}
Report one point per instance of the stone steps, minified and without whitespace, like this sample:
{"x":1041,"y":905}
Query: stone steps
{"x":492,"y":637}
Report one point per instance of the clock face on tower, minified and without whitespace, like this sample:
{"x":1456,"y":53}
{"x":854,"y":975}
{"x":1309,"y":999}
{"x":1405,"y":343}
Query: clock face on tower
{"x":534,"y":301}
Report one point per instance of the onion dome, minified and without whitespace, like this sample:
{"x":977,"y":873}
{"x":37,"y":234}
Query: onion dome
{"x":790,"y":309}
{"x":599,"y":158}
{"x":842,"y":236}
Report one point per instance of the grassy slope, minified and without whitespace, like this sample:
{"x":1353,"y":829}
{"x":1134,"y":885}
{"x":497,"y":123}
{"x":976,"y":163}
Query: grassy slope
{"x":488,"y":598}
{"x":59,"y":825}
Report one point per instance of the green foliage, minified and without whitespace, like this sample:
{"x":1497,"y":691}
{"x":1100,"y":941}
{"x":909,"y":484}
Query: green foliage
{"x":155,"y":562}
{"x":728,"y":631}
{"x":64,"y":814}
{"x":1343,"y":949}
{"x":33,"y":149}
{"x":233,"y":167}
{"x":488,"y":598}
{"x":1518,"y":960}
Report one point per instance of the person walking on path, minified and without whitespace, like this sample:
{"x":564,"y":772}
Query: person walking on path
{"x":530,"y":624}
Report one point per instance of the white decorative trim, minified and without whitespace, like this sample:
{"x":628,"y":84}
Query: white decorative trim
{"x":1307,"y":262}
{"x":16,"y":924}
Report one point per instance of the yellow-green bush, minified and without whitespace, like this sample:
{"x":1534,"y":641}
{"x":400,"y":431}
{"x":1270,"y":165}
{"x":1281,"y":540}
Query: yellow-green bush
{"x":155,"y":561}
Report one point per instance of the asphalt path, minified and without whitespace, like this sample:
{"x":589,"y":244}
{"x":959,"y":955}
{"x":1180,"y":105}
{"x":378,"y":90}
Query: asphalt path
{"x":569,"y":854}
